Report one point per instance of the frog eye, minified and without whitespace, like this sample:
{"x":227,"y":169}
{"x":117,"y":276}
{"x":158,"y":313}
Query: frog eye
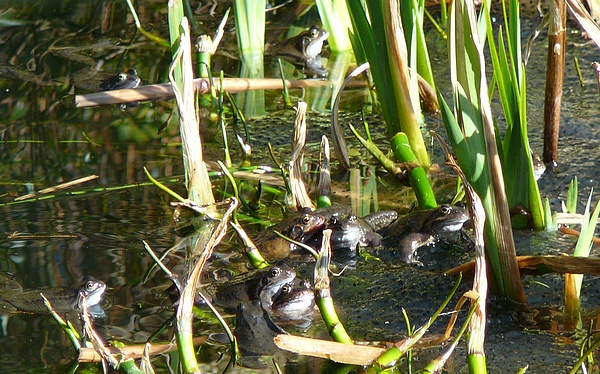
{"x":274,"y":272}
{"x":89,"y":286}
{"x":305,"y":219}
{"x":122,"y":76}
{"x":333,"y":220}
{"x":446,"y":209}
{"x":314,"y":32}
{"x":297,"y":231}
{"x":286,"y":288}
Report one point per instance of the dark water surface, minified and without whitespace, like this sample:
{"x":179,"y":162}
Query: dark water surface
{"x":98,"y":228}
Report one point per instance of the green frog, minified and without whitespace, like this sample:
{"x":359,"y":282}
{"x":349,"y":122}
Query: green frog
{"x":294,"y":303}
{"x":303,"y":50}
{"x":422,"y":228}
{"x":301,"y":227}
{"x":128,"y":79}
{"x":260,"y":284}
{"x":14,"y":300}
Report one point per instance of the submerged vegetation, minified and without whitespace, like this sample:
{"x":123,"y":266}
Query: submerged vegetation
{"x":494,"y":167}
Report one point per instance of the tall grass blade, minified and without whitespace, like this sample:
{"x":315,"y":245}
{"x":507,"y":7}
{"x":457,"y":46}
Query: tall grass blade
{"x":381,"y":39}
{"x":472,"y":135}
{"x":250,"y":25}
{"x":336,"y":20}
{"x":509,"y":73}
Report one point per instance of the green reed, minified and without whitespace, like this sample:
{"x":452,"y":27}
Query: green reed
{"x":379,"y":37}
{"x":471,"y":132}
{"x":516,"y":155}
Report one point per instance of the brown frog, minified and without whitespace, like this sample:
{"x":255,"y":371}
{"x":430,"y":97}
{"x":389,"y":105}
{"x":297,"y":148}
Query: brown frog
{"x":350,"y":231}
{"x":301,"y":227}
{"x":303,"y":50}
{"x":424,"y":227}
{"x":128,"y":79}
{"x":294,"y":304}
{"x":13,"y":299}
{"x":260,"y":284}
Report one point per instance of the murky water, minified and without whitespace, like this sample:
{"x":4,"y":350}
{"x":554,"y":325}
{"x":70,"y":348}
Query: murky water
{"x":97,"y":229}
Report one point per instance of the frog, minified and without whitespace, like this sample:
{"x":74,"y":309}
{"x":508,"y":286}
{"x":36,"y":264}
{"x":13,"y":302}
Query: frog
{"x":13,"y":299}
{"x":254,"y":332}
{"x":123,"y":80}
{"x":350,"y":231}
{"x":294,"y":304}
{"x":538,"y":166}
{"x":424,"y":227}
{"x":261,"y":284}
{"x":303,"y":50}
{"x":301,"y":227}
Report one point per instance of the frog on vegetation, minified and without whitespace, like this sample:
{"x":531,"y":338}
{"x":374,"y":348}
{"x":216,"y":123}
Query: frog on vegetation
{"x":304,"y":51}
{"x":424,"y":227}
{"x":301,"y":227}
{"x":128,"y":79}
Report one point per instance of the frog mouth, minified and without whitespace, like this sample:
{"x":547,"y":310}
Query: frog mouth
{"x":453,"y":226}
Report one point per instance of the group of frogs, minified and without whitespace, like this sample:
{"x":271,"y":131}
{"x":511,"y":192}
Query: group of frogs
{"x":405,"y":234}
{"x":269,"y":298}
{"x":265,"y":300}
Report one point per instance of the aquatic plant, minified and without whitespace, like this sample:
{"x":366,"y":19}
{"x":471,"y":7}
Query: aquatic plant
{"x":472,"y":135}
{"x":250,"y":25}
{"x":380,"y":38}
{"x":336,"y":20}
{"x":516,"y":156}
{"x":573,"y":282}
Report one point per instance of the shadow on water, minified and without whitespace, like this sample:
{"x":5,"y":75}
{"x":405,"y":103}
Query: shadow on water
{"x":52,"y":49}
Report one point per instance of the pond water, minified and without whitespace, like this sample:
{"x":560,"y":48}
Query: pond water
{"x":97,"y":228}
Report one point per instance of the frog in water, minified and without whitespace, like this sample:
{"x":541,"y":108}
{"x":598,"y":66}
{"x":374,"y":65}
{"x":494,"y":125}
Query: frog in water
{"x":350,"y":231}
{"x":254,"y":332}
{"x":14,"y":300}
{"x":303,"y":50}
{"x":424,"y":227}
{"x":301,"y":227}
{"x":128,"y":79}
{"x":294,"y":304}
{"x":260,"y":284}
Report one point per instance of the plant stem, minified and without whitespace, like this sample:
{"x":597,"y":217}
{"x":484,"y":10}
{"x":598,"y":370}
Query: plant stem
{"x":417,"y":176}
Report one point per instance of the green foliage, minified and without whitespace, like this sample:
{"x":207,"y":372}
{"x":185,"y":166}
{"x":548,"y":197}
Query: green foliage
{"x":250,"y":25}
{"x":416,"y":175}
{"x":571,"y":205}
{"x":379,"y":37}
{"x":336,"y":20}
{"x":509,"y":75}
{"x":584,"y":242}
{"x":473,"y":138}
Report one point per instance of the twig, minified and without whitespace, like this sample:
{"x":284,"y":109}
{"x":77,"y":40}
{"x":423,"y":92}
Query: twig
{"x":164,"y":91}
{"x":57,"y":187}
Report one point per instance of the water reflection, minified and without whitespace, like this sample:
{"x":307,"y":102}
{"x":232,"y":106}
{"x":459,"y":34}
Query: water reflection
{"x":58,"y":49}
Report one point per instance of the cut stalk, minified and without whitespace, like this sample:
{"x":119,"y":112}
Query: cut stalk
{"x":555,"y":67}
{"x":323,"y":297}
